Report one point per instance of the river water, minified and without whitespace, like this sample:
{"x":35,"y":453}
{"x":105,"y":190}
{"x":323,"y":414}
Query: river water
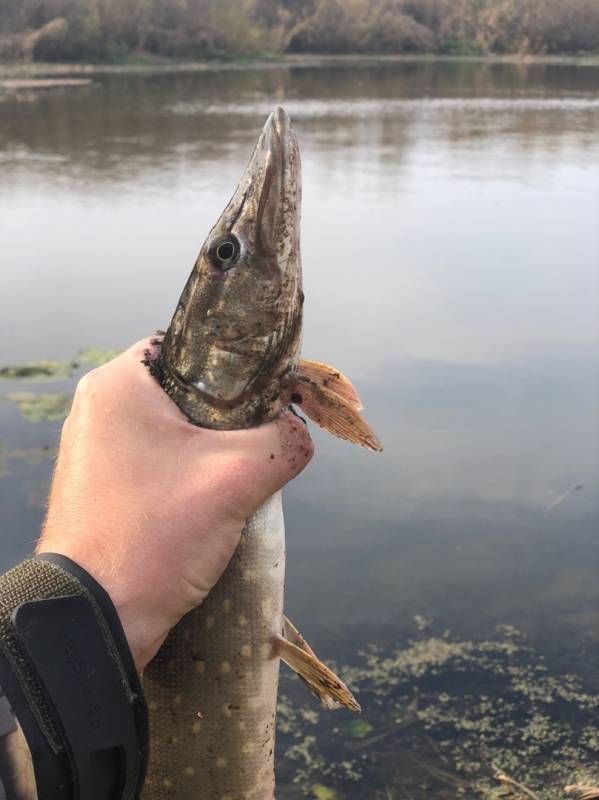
{"x":451,"y":252}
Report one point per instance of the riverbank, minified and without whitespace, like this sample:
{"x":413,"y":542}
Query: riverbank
{"x":162,"y":65}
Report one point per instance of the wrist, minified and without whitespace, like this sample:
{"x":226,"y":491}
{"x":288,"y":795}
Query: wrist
{"x":144,"y":632}
{"x":144,"y":636}
{"x":68,"y":674}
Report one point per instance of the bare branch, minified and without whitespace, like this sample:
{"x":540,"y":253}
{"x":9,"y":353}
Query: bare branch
{"x":507,"y":781}
{"x":583,"y":791}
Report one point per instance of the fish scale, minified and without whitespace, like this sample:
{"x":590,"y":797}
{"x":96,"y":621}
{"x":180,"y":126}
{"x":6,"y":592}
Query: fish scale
{"x":208,"y":741}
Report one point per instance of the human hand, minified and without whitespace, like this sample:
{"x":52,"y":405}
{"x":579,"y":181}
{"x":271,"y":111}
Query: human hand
{"x":152,"y":506}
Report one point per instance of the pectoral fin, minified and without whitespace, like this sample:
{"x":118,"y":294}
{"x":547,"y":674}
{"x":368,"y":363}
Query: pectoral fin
{"x":330,"y":378}
{"x":293,"y":649}
{"x":329,"y":399}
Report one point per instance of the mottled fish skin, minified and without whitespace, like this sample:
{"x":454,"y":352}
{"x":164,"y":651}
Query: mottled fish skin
{"x":235,"y":335}
{"x":236,"y":331}
{"x":212,"y":688}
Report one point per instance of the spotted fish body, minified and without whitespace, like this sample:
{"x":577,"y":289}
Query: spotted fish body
{"x":212,"y":689}
{"x":230,"y":359}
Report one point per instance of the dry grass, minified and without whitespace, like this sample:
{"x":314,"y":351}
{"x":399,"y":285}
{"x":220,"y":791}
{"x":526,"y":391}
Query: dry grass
{"x":582,"y":792}
{"x":114,"y":30}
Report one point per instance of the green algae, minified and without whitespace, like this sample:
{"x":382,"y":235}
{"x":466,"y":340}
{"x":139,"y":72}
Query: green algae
{"x":321,"y":792}
{"x":58,"y":370}
{"x":50,"y":407}
{"x":36,"y":370}
{"x":40,"y":407}
{"x":357,"y":728}
{"x":446,"y":716}
{"x":96,"y":356}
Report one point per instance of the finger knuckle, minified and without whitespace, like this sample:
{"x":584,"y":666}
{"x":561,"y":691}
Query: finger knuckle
{"x":91,"y":385}
{"x":87,"y":385}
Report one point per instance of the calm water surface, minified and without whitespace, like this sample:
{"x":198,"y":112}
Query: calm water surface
{"x":451,"y":253}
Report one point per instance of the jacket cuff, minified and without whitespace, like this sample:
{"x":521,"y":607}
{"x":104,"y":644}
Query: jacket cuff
{"x":68,"y":673}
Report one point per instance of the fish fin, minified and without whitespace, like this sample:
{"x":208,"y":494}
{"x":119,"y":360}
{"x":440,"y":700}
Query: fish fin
{"x":293,"y":649}
{"x":330,"y":410}
{"x":331,"y":379}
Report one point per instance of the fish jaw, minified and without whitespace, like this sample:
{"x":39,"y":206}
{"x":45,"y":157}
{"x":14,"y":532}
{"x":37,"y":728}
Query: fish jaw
{"x":236,"y":331}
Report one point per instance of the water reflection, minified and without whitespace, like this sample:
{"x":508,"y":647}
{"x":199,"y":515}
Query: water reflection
{"x":119,"y":126}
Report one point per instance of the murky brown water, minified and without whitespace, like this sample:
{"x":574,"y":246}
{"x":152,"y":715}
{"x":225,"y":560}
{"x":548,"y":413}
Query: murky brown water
{"x":451,"y":254}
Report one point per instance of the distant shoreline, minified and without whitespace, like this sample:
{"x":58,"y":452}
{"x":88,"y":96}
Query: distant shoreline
{"x":161,"y":65}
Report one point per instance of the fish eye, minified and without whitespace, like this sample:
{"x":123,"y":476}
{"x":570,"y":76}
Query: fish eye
{"x":224,"y":253}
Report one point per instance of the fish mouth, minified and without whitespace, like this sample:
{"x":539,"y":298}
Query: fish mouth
{"x":278,"y":131}
{"x":263,"y":214}
{"x":263,"y":217}
{"x":237,"y":328}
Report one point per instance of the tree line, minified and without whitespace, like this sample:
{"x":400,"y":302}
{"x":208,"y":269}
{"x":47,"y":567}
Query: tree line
{"x":113,"y":30}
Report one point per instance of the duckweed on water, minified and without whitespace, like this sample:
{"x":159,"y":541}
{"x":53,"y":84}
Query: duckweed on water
{"x":40,"y":407}
{"x":37,"y":369}
{"x":444,"y":717}
{"x":96,"y":356}
{"x":320,"y":792}
{"x":58,"y":370}
{"x":357,"y":728}
{"x":51,"y":407}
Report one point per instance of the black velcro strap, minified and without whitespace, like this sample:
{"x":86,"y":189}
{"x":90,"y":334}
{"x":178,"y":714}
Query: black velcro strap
{"x":71,"y":662}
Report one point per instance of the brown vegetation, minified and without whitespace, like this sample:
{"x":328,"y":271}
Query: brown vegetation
{"x":74,"y":30}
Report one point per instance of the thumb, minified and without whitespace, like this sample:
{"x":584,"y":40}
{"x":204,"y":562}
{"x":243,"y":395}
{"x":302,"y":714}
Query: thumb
{"x":295,"y":448}
{"x":277,"y":452}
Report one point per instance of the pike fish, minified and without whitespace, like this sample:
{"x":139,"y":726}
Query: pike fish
{"x":230,"y":359}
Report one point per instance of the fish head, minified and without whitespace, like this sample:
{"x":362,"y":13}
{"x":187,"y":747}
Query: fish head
{"x":237,"y":328}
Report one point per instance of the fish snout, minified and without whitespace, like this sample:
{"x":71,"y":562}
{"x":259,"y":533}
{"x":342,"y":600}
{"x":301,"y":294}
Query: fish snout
{"x":280,"y":121}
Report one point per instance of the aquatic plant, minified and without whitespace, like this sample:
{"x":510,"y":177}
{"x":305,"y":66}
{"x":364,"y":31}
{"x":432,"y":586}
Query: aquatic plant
{"x":40,"y":407}
{"x":320,"y":792}
{"x":51,"y":407}
{"x":37,"y":369}
{"x":95,"y":356}
{"x":449,"y":717}
{"x":58,"y":370}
